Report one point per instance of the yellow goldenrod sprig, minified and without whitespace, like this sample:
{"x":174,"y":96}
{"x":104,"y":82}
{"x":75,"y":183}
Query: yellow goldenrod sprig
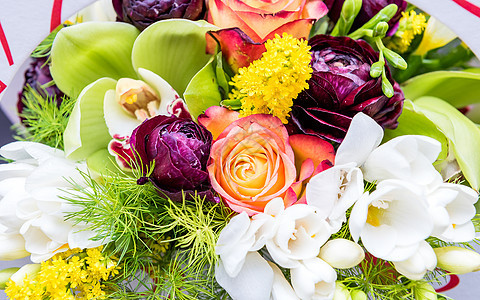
{"x":73,"y":274}
{"x":269,"y":84}
{"x":410,"y":25}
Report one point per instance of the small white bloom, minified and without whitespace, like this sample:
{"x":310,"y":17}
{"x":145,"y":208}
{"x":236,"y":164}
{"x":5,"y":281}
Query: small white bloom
{"x":313,"y":279}
{"x":452,"y":209}
{"x":298,"y":233}
{"x":417,"y":265}
{"x":457,"y":260}
{"x":13,"y":246}
{"x":31,"y":205}
{"x":342,"y":253}
{"x":334,"y":191}
{"x":392,"y":221}
{"x":236,"y":240}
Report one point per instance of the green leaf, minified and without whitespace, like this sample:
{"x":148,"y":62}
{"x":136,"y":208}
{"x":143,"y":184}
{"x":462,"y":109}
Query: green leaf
{"x":203,"y":90}
{"x":174,"y":49}
{"x":463,"y":134}
{"x":89,"y":51}
{"x":413,"y":122}
{"x":86,"y":130}
{"x":459,"y":88}
{"x":222,"y":77}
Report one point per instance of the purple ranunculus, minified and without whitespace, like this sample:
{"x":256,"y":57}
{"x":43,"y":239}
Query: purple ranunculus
{"x":143,"y":13}
{"x":369,"y":9}
{"x":179,"y":149}
{"x":341,"y":87}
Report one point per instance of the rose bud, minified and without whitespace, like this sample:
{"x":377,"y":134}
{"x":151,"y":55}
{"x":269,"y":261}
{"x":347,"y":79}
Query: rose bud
{"x":142,"y":13}
{"x":179,"y":149}
{"x":369,"y":9}
{"x":340,"y":87}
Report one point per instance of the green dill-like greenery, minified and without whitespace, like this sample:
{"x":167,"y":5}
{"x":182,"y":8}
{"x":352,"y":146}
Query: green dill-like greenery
{"x":44,"y":120}
{"x":44,"y":48}
{"x":173,"y":242}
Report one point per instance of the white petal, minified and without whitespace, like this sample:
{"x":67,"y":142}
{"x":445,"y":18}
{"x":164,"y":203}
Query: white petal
{"x":313,"y":278}
{"x":358,"y":216}
{"x":342,"y":253}
{"x":81,"y":238}
{"x":254,"y":281}
{"x":363,"y":135}
{"x":418,"y":264}
{"x":379,"y":241}
{"x":118,"y":121}
{"x":281,"y":289}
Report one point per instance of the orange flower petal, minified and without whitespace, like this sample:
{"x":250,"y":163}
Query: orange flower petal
{"x":217,"y":118}
{"x":309,"y":146}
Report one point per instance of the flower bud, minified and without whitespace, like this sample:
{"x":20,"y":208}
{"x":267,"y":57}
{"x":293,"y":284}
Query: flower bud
{"x":30,"y":270}
{"x":358,"y":295}
{"x":380,"y":30}
{"x":425,"y":291}
{"x":395,"y":59}
{"x":342,"y":253}
{"x":341,"y":292}
{"x":5,"y":275}
{"x":13,"y":247}
{"x":457,"y":260}
{"x":377,"y":68}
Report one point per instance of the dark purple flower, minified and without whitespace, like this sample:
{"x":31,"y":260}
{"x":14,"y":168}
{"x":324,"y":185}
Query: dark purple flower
{"x":143,"y":13}
{"x":179,"y":149}
{"x":341,"y":87}
{"x":369,"y":9}
{"x":38,"y":76}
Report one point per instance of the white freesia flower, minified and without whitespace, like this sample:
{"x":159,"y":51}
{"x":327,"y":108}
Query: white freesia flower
{"x":342,"y":253}
{"x":417,"y":265}
{"x":452,"y":209}
{"x":298,"y":233}
{"x":334,"y":191}
{"x":314,"y":279}
{"x":31,"y":205}
{"x":392,"y":221}
{"x":235,"y":241}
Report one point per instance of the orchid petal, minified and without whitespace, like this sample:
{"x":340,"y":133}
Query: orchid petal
{"x":174,"y":49}
{"x":86,"y":131}
{"x":89,"y":51}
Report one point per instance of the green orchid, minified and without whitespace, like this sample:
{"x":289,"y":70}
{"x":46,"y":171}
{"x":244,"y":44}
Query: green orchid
{"x":120,"y":77}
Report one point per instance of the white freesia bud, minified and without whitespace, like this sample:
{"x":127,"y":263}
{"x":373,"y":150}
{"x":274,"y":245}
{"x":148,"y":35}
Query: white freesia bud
{"x":358,"y":295}
{"x":30,"y":270}
{"x":341,"y":292}
{"x":342,"y":253}
{"x":12,"y":246}
{"x":457,"y":260}
{"x":5,"y":275}
{"x":313,"y":279}
{"x":425,"y":291}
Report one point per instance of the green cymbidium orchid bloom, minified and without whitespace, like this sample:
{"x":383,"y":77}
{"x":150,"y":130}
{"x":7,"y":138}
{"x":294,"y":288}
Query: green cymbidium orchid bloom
{"x":120,"y":77}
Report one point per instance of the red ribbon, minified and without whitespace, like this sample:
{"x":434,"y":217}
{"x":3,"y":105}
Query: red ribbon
{"x":56,"y":19}
{"x":6,"y":47}
{"x":453,"y":282}
{"x":472,"y":8}
{"x":3,"y":86}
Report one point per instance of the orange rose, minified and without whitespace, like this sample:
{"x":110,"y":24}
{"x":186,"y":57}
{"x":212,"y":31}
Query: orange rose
{"x":261,"y":19}
{"x":251,"y":163}
{"x":253,"y":159}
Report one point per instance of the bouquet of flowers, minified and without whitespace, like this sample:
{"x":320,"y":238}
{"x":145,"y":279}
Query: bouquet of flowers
{"x":244,"y":150}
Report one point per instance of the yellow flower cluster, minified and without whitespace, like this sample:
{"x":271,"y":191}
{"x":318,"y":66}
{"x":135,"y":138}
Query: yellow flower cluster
{"x":73,"y":274}
{"x":410,"y":25}
{"x":269,"y":84}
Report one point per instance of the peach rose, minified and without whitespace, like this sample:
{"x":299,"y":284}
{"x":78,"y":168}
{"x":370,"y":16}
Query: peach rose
{"x":261,"y":19}
{"x":252,"y":161}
